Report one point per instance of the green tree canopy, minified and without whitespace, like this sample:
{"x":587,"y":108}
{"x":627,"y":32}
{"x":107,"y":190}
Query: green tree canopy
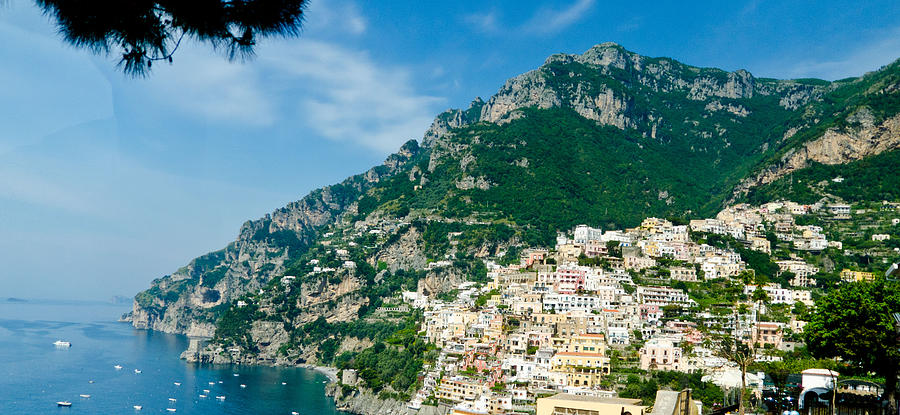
{"x":855,"y":323}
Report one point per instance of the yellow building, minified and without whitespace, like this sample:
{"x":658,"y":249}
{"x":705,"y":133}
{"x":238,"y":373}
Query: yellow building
{"x":581,"y":369}
{"x":586,"y":343}
{"x":849,"y":275}
{"x":460,"y":389}
{"x":566,"y":404}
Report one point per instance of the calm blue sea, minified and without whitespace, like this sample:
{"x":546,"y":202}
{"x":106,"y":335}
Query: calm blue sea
{"x":34,"y":374}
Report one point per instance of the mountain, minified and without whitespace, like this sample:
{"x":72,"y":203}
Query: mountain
{"x":606,"y":138}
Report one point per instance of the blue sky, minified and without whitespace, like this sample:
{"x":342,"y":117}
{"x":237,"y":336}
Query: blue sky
{"x":107,"y":182}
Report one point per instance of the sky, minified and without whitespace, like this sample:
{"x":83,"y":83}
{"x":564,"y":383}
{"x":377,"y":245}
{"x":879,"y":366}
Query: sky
{"x":107,"y":182}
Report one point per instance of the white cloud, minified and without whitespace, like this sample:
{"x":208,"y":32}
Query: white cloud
{"x":205,"y":84}
{"x":548,"y":20}
{"x":348,"y":97}
{"x":335,"y":16}
{"x":866,"y":58}
{"x":485,"y":22}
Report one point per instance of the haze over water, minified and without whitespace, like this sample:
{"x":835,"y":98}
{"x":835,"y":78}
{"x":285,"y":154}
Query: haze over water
{"x":34,"y":374}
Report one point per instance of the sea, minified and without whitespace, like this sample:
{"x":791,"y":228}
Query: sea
{"x":35,"y":374}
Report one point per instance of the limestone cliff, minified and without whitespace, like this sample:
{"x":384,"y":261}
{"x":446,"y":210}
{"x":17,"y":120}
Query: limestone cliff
{"x":189,"y":300}
{"x":836,"y":146}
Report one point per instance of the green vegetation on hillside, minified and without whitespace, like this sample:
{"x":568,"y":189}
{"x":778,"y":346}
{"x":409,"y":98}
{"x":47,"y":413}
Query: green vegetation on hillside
{"x":872,"y":178}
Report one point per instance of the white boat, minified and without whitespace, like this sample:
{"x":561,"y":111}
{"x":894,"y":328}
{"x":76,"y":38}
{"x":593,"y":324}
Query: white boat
{"x":221,"y":398}
{"x":60,"y":343}
{"x":90,"y":381}
{"x":295,"y":413}
{"x":237,"y":374}
{"x":284,"y":383}
{"x":177,"y":383}
{"x":206,"y":391}
{"x":212,"y":383}
{"x":64,"y":403}
{"x":118,"y":367}
{"x":170,"y":409}
{"x":85,"y":396}
{"x":172,"y":399}
{"x":220,"y":381}
{"x":202,"y":396}
{"x":138,"y":407}
{"x":243,"y":385}
{"x":137,"y":371}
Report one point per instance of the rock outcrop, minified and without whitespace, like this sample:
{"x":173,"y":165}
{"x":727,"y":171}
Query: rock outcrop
{"x":364,"y":402}
{"x":863,"y":138}
{"x":188,"y":301}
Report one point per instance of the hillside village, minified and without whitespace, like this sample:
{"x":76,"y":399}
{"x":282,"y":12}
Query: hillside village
{"x":579,"y":317}
{"x":440,"y":282}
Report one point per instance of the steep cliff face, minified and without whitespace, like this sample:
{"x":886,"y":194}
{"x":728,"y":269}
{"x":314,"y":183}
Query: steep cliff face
{"x":610,"y":85}
{"x":190,"y":300}
{"x":835,"y":146}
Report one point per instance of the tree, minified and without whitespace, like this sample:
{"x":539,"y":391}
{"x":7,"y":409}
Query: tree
{"x":151,"y":30}
{"x":740,"y":351}
{"x":760,"y":296}
{"x":854,"y":323}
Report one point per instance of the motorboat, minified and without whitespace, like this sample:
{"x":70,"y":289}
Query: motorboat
{"x":118,"y":367}
{"x":136,"y":371}
{"x":221,"y":398}
{"x":170,"y":409}
{"x":203,"y":396}
{"x":172,"y":399}
{"x":138,"y":407}
{"x":60,"y":343}
{"x":64,"y":403}
{"x":85,"y":396}
{"x":177,"y":383}
{"x":243,"y":385}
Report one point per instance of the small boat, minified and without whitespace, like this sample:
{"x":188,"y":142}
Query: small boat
{"x":220,"y":381}
{"x":138,"y":407}
{"x":60,"y":343}
{"x":172,"y":399}
{"x":221,"y":398}
{"x":64,"y":403}
{"x":118,"y":367}
{"x":203,"y":396}
{"x":243,"y":385}
{"x":170,"y":409}
{"x":237,"y":374}
{"x":284,"y":383}
{"x":85,"y":396}
{"x":295,"y":413}
{"x":177,"y":383}
{"x":212,"y":383}
{"x":90,"y":381}
{"x":136,"y":371}
{"x":206,"y":391}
